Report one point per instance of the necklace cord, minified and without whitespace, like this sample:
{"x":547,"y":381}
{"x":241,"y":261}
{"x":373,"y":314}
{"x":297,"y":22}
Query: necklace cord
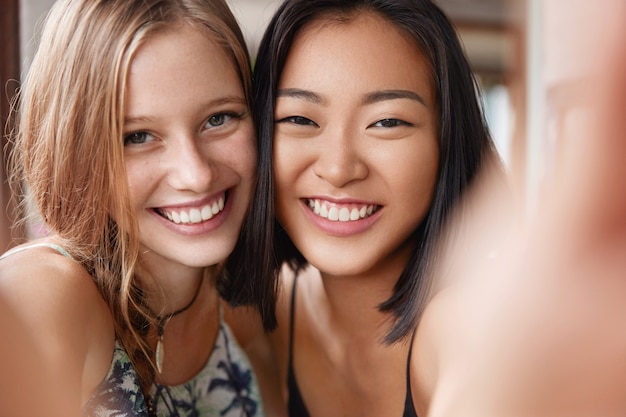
{"x":162,"y":320}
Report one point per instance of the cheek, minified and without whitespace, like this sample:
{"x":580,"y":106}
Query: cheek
{"x":237,"y":157}
{"x":247,"y":155}
{"x":290,"y":159}
{"x":138,"y":176}
{"x":414,"y":173}
{"x":236,"y":151}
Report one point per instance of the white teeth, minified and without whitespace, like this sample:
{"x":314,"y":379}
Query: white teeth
{"x":333,"y":214}
{"x":206,"y":213}
{"x":195,"y":215}
{"x":343,"y":214}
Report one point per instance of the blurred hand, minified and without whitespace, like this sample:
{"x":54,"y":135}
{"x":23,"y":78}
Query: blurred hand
{"x":548,"y":311}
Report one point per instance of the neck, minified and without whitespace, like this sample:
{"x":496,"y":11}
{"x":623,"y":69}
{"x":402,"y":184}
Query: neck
{"x":353,"y":306}
{"x":166,"y":292}
{"x":161,"y":318}
{"x":187,"y":338}
{"x":354,"y":299}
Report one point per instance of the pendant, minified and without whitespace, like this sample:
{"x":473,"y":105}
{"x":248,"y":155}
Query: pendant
{"x":160,"y":355}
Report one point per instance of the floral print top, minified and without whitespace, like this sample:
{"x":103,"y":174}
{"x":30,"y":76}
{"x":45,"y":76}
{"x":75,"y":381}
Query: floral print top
{"x":225,"y":387}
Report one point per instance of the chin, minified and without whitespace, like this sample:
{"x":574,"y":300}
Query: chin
{"x":340,"y":268}
{"x":202,"y":257}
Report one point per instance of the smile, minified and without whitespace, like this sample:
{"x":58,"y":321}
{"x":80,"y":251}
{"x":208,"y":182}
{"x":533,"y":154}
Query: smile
{"x":341,"y":213}
{"x":194,"y":215}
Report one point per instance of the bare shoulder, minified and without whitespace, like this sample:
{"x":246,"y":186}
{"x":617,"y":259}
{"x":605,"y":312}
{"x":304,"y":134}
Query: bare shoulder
{"x":65,"y":317}
{"x":245,"y":323}
{"x":42,"y":280}
{"x":306,"y":289}
{"x":28,"y":389}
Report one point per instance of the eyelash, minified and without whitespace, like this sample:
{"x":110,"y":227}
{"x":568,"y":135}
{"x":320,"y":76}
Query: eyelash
{"x":298,"y":120}
{"x":383,"y":123}
{"x":389,"y":123}
{"x":230,"y":115}
{"x":131,"y":138}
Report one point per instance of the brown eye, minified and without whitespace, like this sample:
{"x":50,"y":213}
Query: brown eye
{"x":388,"y":123}
{"x":298,"y":120}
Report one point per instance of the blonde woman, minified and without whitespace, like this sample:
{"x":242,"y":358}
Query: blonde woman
{"x":135,"y":140}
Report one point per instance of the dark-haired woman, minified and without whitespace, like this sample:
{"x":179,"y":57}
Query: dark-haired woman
{"x":370,"y":132}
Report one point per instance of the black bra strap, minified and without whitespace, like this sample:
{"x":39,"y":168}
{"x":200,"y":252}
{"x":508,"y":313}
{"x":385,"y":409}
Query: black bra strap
{"x":409,"y":410}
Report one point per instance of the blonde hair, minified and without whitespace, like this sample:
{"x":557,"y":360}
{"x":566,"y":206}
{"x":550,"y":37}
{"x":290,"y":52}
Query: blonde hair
{"x":68,"y":146}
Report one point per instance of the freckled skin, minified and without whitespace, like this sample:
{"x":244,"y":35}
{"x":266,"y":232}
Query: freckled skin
{"x":193,"y":150}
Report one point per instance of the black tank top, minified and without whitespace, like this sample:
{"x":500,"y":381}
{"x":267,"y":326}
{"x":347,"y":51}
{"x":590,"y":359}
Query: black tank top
{"x":295,"y":404}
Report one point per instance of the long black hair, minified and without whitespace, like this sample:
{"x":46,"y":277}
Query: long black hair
{"x":464,"y":141}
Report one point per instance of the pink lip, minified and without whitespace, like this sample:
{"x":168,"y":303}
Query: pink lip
{"x":198,"y":203}
{"x":336,"y":228}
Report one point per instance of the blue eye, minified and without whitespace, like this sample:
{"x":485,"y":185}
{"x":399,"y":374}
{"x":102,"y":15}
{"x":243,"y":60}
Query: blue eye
{"x":222,"y":119}
{"x":219,"y":119}
{"x":297,"y":120}
{"x":136,"y":138}
{"x":388,"y":123}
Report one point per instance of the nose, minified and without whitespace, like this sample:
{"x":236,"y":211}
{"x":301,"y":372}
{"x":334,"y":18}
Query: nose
{"x":191,"y":167}
{"x":340,"y":160}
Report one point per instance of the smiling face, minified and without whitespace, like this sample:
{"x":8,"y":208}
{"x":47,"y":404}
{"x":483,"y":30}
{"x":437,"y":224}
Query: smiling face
{"x":355,"y":145}
{"x":188,"y":148}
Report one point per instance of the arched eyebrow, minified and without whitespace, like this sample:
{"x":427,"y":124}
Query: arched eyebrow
{"x":220,"y":101}
{"x":369,"y":98}
{"x":378,"y":96}
{"x":300,"y":94}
